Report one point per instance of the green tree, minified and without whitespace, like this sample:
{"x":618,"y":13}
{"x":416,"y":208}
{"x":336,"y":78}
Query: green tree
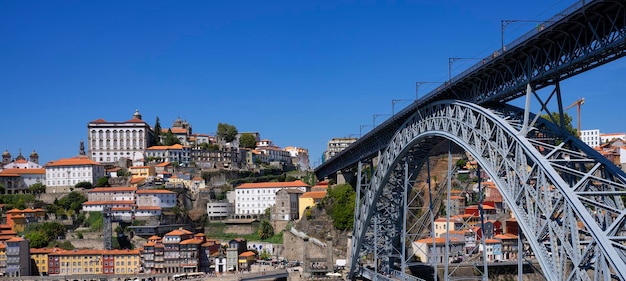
{"x":170,"y":138}
{"x":157,"y":132}
{"x":84,"y":184}
{"x":72,"y":201}
{"x":226,"y":132}
{"x":37,"y":188}
{"x":37,"y":239}
{"x":247,"y":140}
{"x":102,"y":182}
{"x":343,"y":199}
{"x":265,"y":230}
{"x":556,"y":119}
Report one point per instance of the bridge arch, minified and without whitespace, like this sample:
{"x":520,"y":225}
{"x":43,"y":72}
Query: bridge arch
{"x":575,"y":211}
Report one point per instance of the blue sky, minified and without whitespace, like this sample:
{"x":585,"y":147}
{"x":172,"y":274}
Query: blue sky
{"x":298,"y":72}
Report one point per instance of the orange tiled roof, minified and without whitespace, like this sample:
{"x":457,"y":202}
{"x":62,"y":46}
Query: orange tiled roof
{"x":163,"y":164}
{"x":16,"y":239}
{"x":314,"y":194}
{"x":506,"y":236}
{"x":74,"y":161}
{"x":438,"y":240}
{"x":18,"y":172}
{"x":297,"y":183}
{"x":137,"y":180}
{"x":112,"y":189}
{"x":135,"y":120}
{"x":247,"y":254}
{"x":154,"y":237}
{"x":129,"y":202}
{"x":42,"y":250}
{"x":154,"y":191}
{"x":191,"y":241}
{"x":178,"y":232}
{"x":148,"y":208}
{"x":492,"y":241}
{"x":165,"y":147}
{"x":99,"y":120}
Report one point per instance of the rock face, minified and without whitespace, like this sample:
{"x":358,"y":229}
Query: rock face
{"x":320,"y":226}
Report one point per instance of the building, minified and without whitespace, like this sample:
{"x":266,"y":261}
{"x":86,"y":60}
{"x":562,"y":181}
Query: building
{"x":300,"y":157}
{"x":162,"y":198}
{"x":67,"y":172}
{"x":604,"y":138}
{"x":255,"y":198}
{"x":173,"y":153}
{"x":235,"y":247}
{"x":308,"y":200}
{"x":20,"y":161}
{"x":181,"y":130}
{"x":286,"y":207}
{"x":273,"y":153}
{"x":336,"y":145}
{"x":111,"y":141}
{"x":590,"y":137}
{"x":17,"y":180}
{"x":88,"y":261}
{"x":428,"y":248}
{"x":219,"y":210}
{"x":18,"y":257}
{"x":111,"y":194}
{"x":142,"y":171}
{"x":39,"y":256}
{"x":171,"y":252}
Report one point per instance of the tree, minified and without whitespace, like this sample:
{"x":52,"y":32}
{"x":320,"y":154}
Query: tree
{"x":226,"y":132}
{"x":37,"y":188}
{"x":265,"y":230}
{"x":170,"y":138}
{"x":102,"y":182}
{"x":157,"y":132}
{"x":342,"y":208}
{"x":557,"y":120}
{"x":84,"y":184}
{"x":72,"y":201}
{"x":37,"y":239}
{"x":247,"y":141}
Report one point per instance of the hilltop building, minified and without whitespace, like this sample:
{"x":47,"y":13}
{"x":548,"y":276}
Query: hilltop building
{"x":111,"y":141}
{"x":337,"y":145}
{"x":63,"y":174}
{"x":255,"y":198}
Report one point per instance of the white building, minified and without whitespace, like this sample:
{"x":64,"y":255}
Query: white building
{"x":173,"y":153}
{"x":112,"y":194}
{"x":272,"y":152}
{"x":67,"y":172}
{"x":16,"y":180}
{"x":145,"y":212}
{"x":161,"y":198}
{"x":604,"y":138}
{"x":255,"y":198}
{"x":20,"y":161}
{"x":219,"y":210}
{"x":424,"y":251}
{"x":98,"y":206}
{"x":337,"y":145}
{"x":110,"y":141}
{"x":300,"y":157}
{"x":590,"y":137}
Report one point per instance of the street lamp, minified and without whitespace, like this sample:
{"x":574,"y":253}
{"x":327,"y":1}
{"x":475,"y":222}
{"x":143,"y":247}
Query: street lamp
{"x":374,"y":119}
{"x":393,"y":105}
{"x":505,"y":23}
{"x":418,"y":84}
{"x":451,"y":61}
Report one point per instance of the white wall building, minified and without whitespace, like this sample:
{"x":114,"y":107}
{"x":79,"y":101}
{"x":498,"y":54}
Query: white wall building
{"x":219,"y":210}
{"x":336,"y":145}
{"x":590,"y":137}
{"x":112,"y":194}
{"x":162,"y":198}
{"x":110,"y":141}
{"x":67,"y":172}
{"x":604,"y":138}
{"x":173,"y":153}
{"x":255,"y":198}
{"x":98,"y":206}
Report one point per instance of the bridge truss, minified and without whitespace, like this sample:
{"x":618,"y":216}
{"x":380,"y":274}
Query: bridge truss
{"x":566,"y":197}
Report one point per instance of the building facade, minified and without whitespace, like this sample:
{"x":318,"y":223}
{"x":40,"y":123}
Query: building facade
{"x":173,"y":153}
{"x":336,"y":145}
{"x":67,"y":172}
{"x":255,"y":198}
{"x":111,"y":141}
{"x":287,"y":204}
{"x":591,"y":137}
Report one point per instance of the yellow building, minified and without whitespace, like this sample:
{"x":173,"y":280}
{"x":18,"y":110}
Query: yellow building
{"x":3,"y":257}
{"x":142,"y":171}
{"x":79,"y":261}
{"x":309,"y":199}
{"x":126,"y":261}
{"x":39,"y":256}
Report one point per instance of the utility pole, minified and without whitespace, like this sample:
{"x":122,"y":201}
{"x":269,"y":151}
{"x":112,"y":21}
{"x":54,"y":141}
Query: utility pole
{"x":577,"y":103}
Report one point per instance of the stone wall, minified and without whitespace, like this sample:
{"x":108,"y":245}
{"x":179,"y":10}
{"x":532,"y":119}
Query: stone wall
{"x":294,"y":248}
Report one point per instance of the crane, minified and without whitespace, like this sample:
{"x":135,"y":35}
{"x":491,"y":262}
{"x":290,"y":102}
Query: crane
{"x":577,"y":103}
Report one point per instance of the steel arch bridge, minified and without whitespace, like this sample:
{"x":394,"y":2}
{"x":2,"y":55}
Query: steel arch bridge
{"x":566,"y":197}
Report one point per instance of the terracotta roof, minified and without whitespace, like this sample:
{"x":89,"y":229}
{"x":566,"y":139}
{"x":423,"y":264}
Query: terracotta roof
{"x":74,"y":161}
{"x":154,"y":191}
{"x":438,"y":240}
{"x":163,"y":164}
{"x":247,"y":254}
{"x":121,"y":209}
{"x":16,"y":239}
{"x":135,"y":120}
{"x":506,"y":236}
{"x":493,"y":241}
{"x":154,"y":237}
{"x":178,"y":232}
{"x":314,"y":194}
{"x":137,"y":180}
{"x":197,"y":179}
{"x":43,"y":250}
{"x":113,"y":189}
{"x":148,"y":208}
{"x":100,"y":120}
{"x":191,"y":241}
{"x":23,"y":171}
{"x":129,"y":202}
{"x":297,"y":183}
{"x":164,"y":147}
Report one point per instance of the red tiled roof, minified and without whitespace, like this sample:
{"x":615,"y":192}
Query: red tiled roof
{"x":163,"y":164}
{"x":135,"y":120}
{"x":154,"y":191}
{"x":100,"y":120}
{"x":297,"y":183}
{"x":314,"y":194}
{"x":23,"y":171}
{"x":148,"y":208}
{"x":191,"y":241}
{"x":164,"y":147}
{"x":74,"y":161}
{"x":129,"y":202}
{"x":113,"y":189}
{"x":247,"y":254}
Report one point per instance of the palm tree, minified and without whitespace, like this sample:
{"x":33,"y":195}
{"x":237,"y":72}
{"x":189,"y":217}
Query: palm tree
{"x":266,"y":230}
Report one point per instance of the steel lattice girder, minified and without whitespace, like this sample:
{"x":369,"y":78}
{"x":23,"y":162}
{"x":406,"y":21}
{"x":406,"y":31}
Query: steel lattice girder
{"x":566,"y":197}
{"x":578,"y":39}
